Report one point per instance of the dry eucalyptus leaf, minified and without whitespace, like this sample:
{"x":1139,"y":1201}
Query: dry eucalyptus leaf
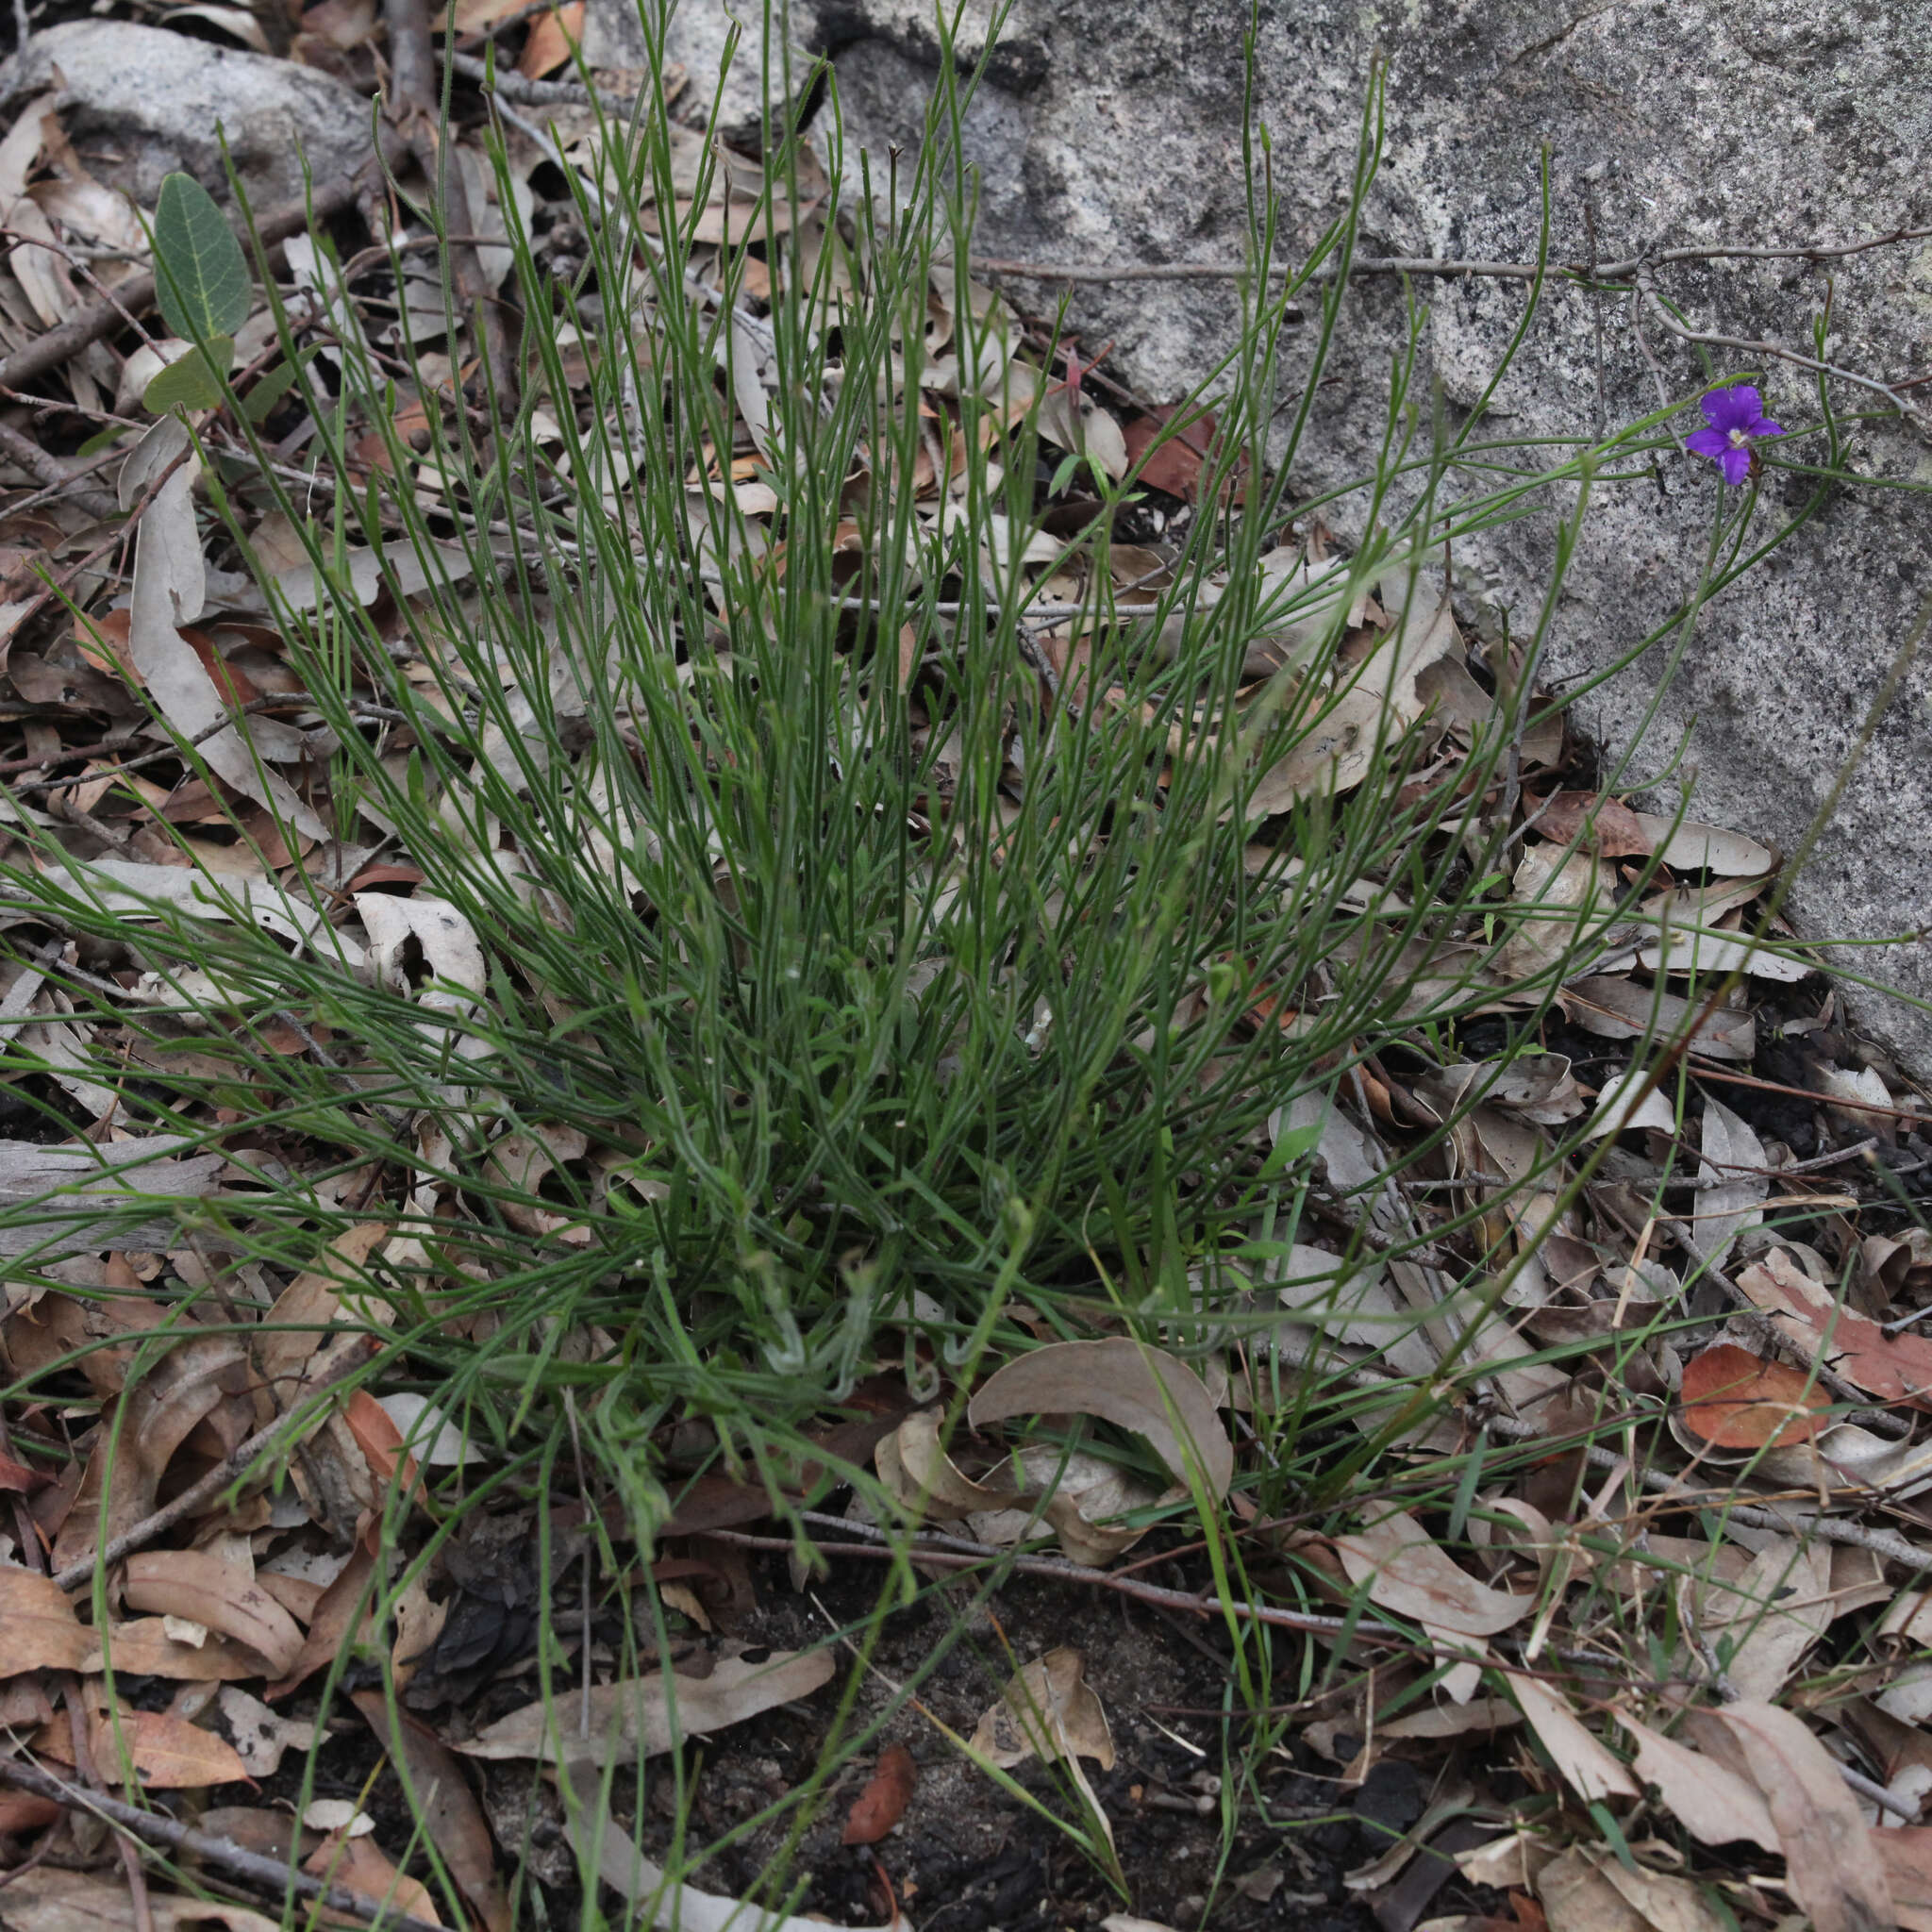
{"x":200,"y":1586}
{"x":1341,"y":735}
{"x":169,"y":590}
{"x":370,"y":572}
{"x":650,"y":1714}
{"x":1586,"y":1763}
{"x":1128,"y":1383}
{"x":42,"y":1898}
{"x":1732,"y":1168}
{"x":1813,"y":1320}
{"x":1617,"y":1009}
{"x":1687,"y":845}
{"x":1831,"y":1866}
{"x":1623,"y":1105}
{"x":1584,"y":1890}
{"x":1407,"y":1573}
{"x":1772,"y":1615}
{"x":39,"y":1629}
{"x":261,"y":1736}
{"x":915,"y":1468}
{"x":1711,"y":1802}
{"x":1557,"y":900}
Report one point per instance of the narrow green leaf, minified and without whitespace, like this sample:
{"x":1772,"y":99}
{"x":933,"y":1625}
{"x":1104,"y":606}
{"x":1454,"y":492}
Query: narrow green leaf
{"x":201,"y":277}
{"x":104,"y":439}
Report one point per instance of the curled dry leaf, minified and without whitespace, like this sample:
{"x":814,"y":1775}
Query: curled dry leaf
{"x":205,"y":1591}
{"x":1078,"y":1496}
{"x":1048,"y":1711}
{"x":915,"y":1467}
{"x":1894,"y":1368}
{"x":649,"y":1714}
{"x":1734,"y":1400}
{"x":1623,"y":1105}
{"x":1128,"y":1383}
{"x":883,"y":1802}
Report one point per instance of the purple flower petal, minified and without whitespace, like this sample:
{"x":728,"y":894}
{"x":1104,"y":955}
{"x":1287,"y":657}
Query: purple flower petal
{"x":1707,"y":443}
{"x":1736,"y":408}
{"x":1735,"y":464}
{"x":1764,"y":426}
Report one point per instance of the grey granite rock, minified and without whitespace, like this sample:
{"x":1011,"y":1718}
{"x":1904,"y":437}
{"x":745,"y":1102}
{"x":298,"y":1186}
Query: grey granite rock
{"x":143,"y":101}
{"x":1108,"y":131}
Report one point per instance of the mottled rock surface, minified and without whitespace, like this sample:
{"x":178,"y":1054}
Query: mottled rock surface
{"x":1110,"y":133}
{"x":142,"y":101}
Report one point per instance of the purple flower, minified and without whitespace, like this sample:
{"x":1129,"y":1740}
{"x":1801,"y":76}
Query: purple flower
{"x":1735,"y":415}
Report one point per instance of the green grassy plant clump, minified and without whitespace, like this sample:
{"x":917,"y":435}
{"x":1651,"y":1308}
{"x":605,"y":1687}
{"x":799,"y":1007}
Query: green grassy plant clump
{"x":810,"y":952}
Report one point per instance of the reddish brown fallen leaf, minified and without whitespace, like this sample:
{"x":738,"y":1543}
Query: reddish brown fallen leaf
{"x":554,"y":37}
{"x":1894,"y":1368}
{"x":1735,"y":1400}
{"x":1176,"y":466}
{"x":360,"y":1865}
{"x":21,"y":1813}
{"x":378,"y":1437}
{"x":19,"y":1478}
{"x":1614,"y":831}
{"x":169,"y":1753}
{"x":345,"y":1601}
{"x":883,"y":1802}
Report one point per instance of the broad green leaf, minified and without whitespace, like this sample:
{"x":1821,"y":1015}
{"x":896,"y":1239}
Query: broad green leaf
{"x":201,"y":278}
{"x":259,"y":403}
{"x":190,"y":383}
